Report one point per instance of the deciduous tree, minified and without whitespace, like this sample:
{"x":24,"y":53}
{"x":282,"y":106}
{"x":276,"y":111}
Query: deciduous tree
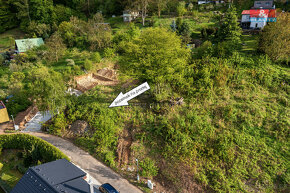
{"x":56,"y":47}
{"x":275,"y":38}
{"x":161,"y":5}
{"x":23,"y":9}
{"x":47,"y":88}
{"x":181,"y":10}
{"x":156,"y":56}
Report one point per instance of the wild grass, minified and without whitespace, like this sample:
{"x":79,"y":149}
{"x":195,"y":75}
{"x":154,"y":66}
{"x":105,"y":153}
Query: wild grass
{"x":7,"y":38}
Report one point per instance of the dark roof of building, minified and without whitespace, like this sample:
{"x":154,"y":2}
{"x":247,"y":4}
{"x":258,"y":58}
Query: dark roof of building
{"x":263,"y":4}
{"x":59,"y":176}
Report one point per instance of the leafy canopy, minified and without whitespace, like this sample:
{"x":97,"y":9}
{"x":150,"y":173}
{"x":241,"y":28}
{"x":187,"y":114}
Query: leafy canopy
{"x":275,"y":38}
{"x":155,"y":55}
{"x":47,"y":88}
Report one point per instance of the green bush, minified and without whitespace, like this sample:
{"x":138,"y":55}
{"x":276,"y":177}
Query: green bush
{"x":109,"y":52}
{"x":109,"y":158}
{"x":148,"y":168}
{"x":96,"y":57}
{"x":1,"y":166}
{"x":88,"y":65}
{"x":23,"y":141}
{"x":18,"y":103}
{"x":59,"y":124}
{"x":86,"y":143}
{"x":77,"y":70}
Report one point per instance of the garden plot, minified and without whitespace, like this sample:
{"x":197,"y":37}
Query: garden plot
{"x":105,"y":77}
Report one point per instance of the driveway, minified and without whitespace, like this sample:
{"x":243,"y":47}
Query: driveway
{"x":96,"y":169}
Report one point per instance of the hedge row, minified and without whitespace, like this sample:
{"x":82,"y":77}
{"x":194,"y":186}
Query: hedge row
{"x":25,"y":141}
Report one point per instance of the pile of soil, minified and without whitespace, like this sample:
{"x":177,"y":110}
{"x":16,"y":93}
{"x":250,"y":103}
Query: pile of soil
{"x":106,"y":77}
{"x":108,"y":73}
{"x":23,"y":117}
{"x":78,"y":128}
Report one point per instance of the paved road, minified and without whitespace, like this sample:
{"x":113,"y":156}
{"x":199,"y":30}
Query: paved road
{"x":96,"y":169}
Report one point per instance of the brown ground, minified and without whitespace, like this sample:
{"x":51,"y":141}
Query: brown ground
{"x":131,"y":83}
{"x":106,"y":77}
{"x":7,"y":125}
{"x":124,"y":147}
{"x":23,"y":117}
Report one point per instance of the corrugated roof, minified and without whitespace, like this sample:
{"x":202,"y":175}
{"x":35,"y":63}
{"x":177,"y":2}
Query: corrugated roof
{"x":246,"y":12}
{"x":32,"y":183}
{"x":59,"y":171}
{"x":25,"y":44}
{"x":59,"y":176}
{"x":78,"y":185}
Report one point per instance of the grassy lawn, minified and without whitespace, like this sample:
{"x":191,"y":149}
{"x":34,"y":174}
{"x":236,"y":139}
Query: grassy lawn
{"x":196,"y":23}
{"x":7,"y":38}
{"x":9,"y":173}
{"x":250,"y":43}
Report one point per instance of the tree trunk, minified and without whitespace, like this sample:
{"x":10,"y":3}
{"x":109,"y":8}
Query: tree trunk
{"x":28,"y":12}
{"x":143,"y":20}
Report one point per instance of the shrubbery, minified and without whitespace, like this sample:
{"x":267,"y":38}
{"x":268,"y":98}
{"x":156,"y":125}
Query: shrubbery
{"x":149,"y":169}
{"x":88,"y":65}
{"x":45,"y":151}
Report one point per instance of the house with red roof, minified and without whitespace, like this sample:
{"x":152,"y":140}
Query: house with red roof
{"x":259,"y":15}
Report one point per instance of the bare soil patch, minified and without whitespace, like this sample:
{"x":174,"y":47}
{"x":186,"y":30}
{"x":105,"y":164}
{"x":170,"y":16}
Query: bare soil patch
{"x":106,"y":77}
{"x":124,"y":147}
{"x":23,"y":117}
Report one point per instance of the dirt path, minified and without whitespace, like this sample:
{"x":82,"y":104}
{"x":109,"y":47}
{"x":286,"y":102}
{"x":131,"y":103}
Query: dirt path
{"x":95,"y":168}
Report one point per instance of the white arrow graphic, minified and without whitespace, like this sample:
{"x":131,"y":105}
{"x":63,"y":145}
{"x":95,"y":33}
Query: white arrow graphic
{"x":122,"y":99}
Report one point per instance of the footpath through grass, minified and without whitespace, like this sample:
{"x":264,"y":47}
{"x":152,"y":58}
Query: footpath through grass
{"x":250,"y":43}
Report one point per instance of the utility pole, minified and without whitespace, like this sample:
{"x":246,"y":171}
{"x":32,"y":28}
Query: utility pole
{"x":138,"y":178}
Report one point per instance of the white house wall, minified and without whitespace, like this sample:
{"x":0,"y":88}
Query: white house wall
{"x":258,"y":24}
{"x":245,"y":18}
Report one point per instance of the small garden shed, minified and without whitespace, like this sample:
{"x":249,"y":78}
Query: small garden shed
{"x":23,"y":45}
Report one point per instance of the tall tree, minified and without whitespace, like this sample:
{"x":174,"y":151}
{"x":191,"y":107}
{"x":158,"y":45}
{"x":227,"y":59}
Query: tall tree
{"x":155,"y":56}
{"x":42,"y":11}
{"x":23,"y":9}
{"x":275,"y":38}
{"x":230,"y":29}
{"x":161,"y":5}
{"x":8,"y":17}
{"x":99,"y":33}
{"x":56,"y":47}
{"x":47,"y":88}
{"x":144,"y":9}
{"x":181,"y":10}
